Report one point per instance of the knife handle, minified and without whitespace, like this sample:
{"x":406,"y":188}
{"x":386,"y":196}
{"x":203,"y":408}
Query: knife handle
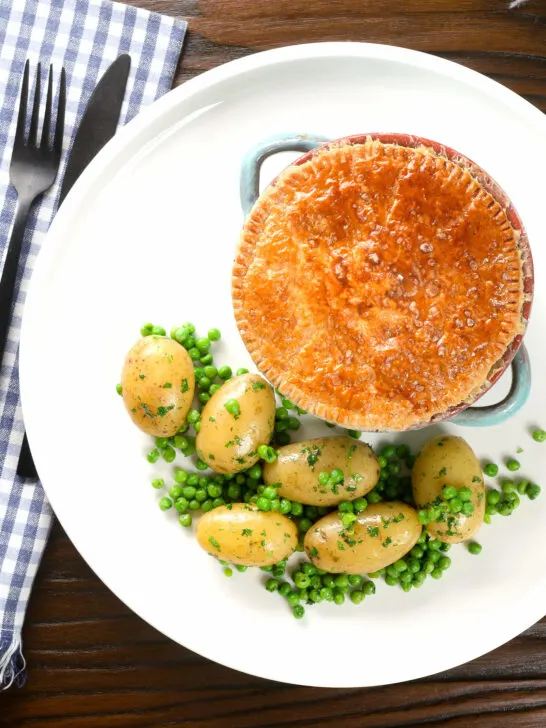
{"x":25,"y":466}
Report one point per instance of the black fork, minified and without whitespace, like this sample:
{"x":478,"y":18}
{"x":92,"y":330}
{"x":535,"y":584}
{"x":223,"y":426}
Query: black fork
{"x":33,"y":169}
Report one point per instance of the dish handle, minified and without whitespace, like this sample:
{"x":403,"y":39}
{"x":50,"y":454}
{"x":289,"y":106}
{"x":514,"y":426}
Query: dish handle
{"x":515,"y":399}
{"x":253,"y":160}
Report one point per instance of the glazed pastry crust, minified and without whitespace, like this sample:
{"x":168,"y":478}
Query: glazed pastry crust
{"x":377,"y":285}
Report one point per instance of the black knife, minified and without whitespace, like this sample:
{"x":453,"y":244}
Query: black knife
{"x":98,"y":125}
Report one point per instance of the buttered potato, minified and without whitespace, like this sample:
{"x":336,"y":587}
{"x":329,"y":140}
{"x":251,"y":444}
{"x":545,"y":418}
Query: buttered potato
{"x":382,"y":534}
{"x":449,"y":461}
{"x":237,"y":419}
{"x":158,"y":384}
{"x":242,"y":534}
{"x":298,"y":469}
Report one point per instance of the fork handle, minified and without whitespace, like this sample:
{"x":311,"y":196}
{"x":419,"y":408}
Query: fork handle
{"x":9,"y":271}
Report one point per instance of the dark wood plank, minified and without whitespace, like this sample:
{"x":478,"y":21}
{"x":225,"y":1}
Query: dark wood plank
{"x":91,"y":661}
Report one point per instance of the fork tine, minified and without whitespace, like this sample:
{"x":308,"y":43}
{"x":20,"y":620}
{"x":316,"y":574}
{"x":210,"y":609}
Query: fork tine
{"x":59,"y":126}
{"x":22,"y":116}
{"x":47,"y":117}
{"x":33,"y":132}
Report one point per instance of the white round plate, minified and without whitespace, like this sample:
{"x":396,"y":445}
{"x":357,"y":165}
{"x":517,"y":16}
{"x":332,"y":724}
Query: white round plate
{"x":148,"y":233}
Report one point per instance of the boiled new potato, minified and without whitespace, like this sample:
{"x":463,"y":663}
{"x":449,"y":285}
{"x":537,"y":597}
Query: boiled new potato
{"x":382,"y":534}
{"x":298,"y":466}
{"x":449,"y":460}
{"x":236,"y":420}
{"x":158,"y":382}
{"x":242,"y":534}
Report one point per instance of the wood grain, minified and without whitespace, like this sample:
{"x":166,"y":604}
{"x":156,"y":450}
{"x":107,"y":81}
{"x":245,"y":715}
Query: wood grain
{"x":91,"y":661}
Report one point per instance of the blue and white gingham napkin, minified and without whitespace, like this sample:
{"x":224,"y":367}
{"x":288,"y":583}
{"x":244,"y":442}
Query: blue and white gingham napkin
{"x":84,"y":36}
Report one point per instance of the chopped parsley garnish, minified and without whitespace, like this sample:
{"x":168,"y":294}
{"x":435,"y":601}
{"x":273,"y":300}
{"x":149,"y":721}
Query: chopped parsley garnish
{"x":212,"y":419}
{"x":147,"y":411}
{"x":246,"y":532}
{"x":184,"y":386}
{"x":387,"y":542}
{"x":476,"y":479}
{"x":214,"y":543}
{"x":162,"y":411}
{"x":142,"y":376}
{"x":211,"y":457}
{"x":341,"y":546}
{"x":167,"y":385}
{"x":258,"y":385}
{"x":373,"y":531}
{"x":398,"y":518}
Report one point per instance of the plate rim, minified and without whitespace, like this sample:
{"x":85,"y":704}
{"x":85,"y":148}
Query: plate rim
{"x":112,"y":155}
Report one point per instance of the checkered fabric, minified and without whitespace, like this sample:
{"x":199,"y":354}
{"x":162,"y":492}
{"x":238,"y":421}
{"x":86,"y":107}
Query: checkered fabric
{"x":84,"y":36}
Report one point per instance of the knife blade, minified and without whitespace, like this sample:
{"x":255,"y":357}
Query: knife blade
{"x":98,"y":125}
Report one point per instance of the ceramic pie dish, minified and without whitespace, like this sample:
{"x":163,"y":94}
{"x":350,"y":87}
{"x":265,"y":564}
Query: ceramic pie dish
{"x":383,"y":282}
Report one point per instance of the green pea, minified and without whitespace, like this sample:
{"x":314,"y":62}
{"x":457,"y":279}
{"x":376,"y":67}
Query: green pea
{"x":493,"y":497}
{"x":373,"y":497}
{"x":305,"y":524}
{"x":158,"y":483}
{"x":225,"y":373}
{"x":284,"y":588}
{"x":175,"y":491}
{"x":293,"y":598}
{"x":296,"y":509}
{"x":263,"y":503}
{"x":355,"y":579}
{"x":455,"y":505}
{"x":414,"y":565}
{"x":214,"y":335}
{"x":444,"y":563}
{"x":368,"y":588}
{"x":281,"y":414}
{"x":539,"y":435}
{"x":354,"y":433}
{"x":267,"y":453}
{"x":449,"y":492}
{"x":194,"y":505}
{"x":390,"y":580}
{"x":357,"y":596}
{"x":203,"y":344}
{"x":406,"y":578}
{"x":533,"y":491}
{"x":434,"y":556}
{"x":339,"y":597}
{"x":272,"y":585}
{"x":360,"y":504}
{"x":185,"y":520}
{"x":467,"y":509}
{"x":158,"y":331}
{"x":301,"y":580}
{"x":181,"y":505}
{"x":388,"y":451}
{"x":293,"y":423}
{"x":417,"y":552}
{"x":522,"y":487}
{"x":165,"y":504}
{"x":206,"y":505}
{"x":341,"y":581}
{"x":314,"y":596}
{"x":194,"y":353}
{"x":474,"y":547}
{"x":146,"y":329}
{"x":513,"y":465}
{"x":119,"y":389}
{"x":491,"y":470}
{"x":403,"y":451}
{"x":189,"y":342}
{"x":437,"y":573}
{"x":465,"y":494}
{"x":394,"y":468}
{"x":201,"y":495}
{"x":347,"y":519}
{"x":345,"y":507}
{"x":434,"y":544}
{"x":200,"y":465}
{"x":445,"y":547}
{"x":153,"y":456}
{"x":298,"y":611}
{"x":382,"y":462}
{"x":508,"y":486}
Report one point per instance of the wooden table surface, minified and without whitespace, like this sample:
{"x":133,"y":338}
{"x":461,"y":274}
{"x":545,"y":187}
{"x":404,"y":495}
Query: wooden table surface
{"x":91,"y":661}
